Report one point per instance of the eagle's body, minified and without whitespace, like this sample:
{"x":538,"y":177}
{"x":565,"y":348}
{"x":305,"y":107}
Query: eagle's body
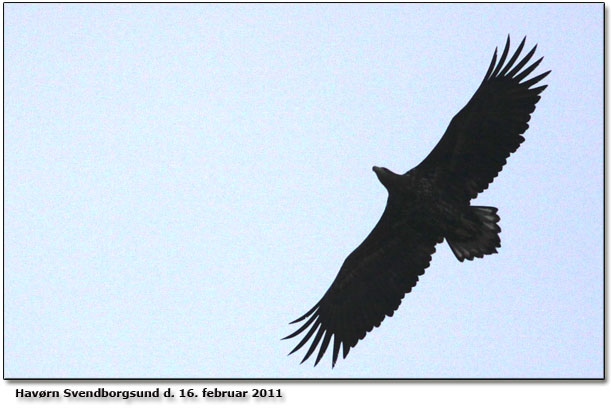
{"x":426,"y":205}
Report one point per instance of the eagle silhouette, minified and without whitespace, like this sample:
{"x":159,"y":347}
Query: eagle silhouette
{"x":427,"y":204}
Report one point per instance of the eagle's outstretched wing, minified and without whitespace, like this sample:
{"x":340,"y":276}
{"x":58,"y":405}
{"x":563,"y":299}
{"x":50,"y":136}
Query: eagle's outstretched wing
{"x":489,"y":128}
{"x":369,"y":286}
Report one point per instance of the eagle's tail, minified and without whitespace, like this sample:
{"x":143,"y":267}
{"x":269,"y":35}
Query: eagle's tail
{"x":485,"y":241}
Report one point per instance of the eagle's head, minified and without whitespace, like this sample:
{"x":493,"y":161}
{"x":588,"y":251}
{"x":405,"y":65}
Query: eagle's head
{"x":385,"y":176}
{"x":379,"y":171}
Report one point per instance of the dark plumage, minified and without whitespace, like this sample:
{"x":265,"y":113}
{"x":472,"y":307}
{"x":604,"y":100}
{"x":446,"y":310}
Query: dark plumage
{"x":427,"y":204}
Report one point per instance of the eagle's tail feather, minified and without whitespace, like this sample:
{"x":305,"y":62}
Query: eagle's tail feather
{"x":487,"y":239}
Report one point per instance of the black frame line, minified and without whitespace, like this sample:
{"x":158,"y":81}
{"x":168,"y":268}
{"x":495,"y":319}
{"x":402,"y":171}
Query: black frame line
{"x":311,"y":380}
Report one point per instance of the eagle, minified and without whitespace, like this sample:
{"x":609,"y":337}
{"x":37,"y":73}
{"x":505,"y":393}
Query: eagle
{"x":428,"y":204}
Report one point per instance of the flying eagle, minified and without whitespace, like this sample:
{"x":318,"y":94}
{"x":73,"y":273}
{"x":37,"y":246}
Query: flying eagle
{"x":427,"y":204}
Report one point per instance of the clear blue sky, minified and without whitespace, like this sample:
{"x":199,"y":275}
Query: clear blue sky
{"x":181,"y":181}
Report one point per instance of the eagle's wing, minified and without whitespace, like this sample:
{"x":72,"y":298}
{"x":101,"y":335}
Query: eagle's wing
{"x":489,"y":128}
{"x":370,"y":284}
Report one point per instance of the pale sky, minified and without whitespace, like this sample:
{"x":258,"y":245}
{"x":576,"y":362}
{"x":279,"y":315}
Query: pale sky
{"x":181,"y":181}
